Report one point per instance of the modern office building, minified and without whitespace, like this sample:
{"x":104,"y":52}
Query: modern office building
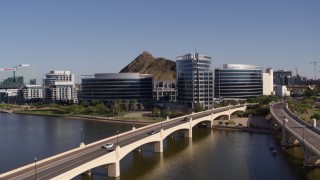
{"x":195,"y":80}
{"x":164,"y":91}
{"x":282,"y":77}
{"x":108,"y":87}
{"x":238,"y":81}
{"x":60,"y":87}
{"x":16,"y":77}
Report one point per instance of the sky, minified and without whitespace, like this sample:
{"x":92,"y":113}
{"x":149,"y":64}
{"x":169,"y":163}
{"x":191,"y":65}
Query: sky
{"x":103,"y":36}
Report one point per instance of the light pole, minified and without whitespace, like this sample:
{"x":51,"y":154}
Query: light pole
{"x":117,"y":138}
{"x":35,"y":168}
{"x":81,"y":135}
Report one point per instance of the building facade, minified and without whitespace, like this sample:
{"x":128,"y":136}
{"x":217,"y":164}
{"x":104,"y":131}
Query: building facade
{"x":238,"y":81}
{"x":195,"y":80}
{"x":31,"y":93}
{"x":281,"y":90}
{"x":268,"y":82}
{"x":164,"y":91}
{"x":282,"y":77}
{"x":108,"y":87}
{"x":60,"y":87}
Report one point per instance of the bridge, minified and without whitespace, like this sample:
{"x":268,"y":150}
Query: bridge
{"x":81,"y":160}
{"x":297,"y":132}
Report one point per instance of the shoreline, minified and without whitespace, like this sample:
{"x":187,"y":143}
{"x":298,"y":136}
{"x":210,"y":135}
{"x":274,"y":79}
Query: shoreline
{"x":91,"y":118}
{"x":244,"y":129}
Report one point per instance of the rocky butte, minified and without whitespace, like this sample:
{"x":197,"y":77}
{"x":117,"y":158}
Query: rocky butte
{"x":162,"y":69}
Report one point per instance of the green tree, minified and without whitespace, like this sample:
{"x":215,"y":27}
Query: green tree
{"x":198,"y":107}
{"x":126,"y":105}
{"x":134,"y":104}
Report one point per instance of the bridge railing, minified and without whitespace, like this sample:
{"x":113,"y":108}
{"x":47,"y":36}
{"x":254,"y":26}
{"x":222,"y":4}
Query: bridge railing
{"x":302,"y":140}
{"x":306,"y":124}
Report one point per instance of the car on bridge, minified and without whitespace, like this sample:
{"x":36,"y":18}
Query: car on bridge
{"x":152,"y":132}
{"x":107,"y":146}
{"x":184,"y":119}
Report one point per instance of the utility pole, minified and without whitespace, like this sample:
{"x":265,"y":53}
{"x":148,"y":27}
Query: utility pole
{"x":315,"y":69}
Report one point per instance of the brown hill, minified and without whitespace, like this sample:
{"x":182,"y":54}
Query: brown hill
{"x":160,"y":68}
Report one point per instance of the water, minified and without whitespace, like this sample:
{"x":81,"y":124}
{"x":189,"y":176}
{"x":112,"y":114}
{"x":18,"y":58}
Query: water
{"x":210,"y":154}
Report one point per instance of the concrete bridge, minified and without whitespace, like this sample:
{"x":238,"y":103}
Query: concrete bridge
{"x":297,"y":132}
{"x":81,"y":160}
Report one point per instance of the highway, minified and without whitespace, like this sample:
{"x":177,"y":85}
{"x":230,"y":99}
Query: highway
{"x":56,"y":166}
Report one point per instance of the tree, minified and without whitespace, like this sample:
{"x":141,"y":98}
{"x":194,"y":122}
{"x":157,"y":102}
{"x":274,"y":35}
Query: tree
{"x":126,"y":105}
{"x":198,"y":107}
{"x":134,"y":104}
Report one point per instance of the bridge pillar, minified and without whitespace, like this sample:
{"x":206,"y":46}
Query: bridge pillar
{"x":158,"y":146}
{"x":310,"y":158}
{"x":188,"y":133}
{"x":285,"y":137}
{"x":114,"y":169}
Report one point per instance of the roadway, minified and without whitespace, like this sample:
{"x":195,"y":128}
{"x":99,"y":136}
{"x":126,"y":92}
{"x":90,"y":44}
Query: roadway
{"x":307,"y":135}
{"x":56,"y":166}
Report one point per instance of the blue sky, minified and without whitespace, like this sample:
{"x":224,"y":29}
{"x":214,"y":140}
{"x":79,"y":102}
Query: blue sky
{"x":97,"y":36}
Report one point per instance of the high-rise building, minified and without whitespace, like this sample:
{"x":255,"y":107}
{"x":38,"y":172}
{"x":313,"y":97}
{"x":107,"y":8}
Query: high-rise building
{"x":268,"y":82}
{"x":195,"y":80}
{"x":60,"y":86}
{"x":14,"y":78}
{"x":282,"y":77}
{"x":108,"y":87}
{"x":238,"y":81}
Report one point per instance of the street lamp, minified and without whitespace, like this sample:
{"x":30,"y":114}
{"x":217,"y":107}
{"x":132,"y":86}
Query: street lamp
{"x":81,"y":135}
{"x":117,"y":138}
{"x":35,"y":168}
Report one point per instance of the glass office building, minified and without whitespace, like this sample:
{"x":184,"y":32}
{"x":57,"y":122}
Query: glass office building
{"x":238,"y":81}
{"x":195,"y":80}
{"x":14,"y":78}
{"x":107,"y":87}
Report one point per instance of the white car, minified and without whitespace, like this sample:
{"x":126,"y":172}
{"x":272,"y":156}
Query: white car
{"x":107,"y":146}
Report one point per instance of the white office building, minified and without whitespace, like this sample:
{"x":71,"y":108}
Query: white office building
{"x":282,"y":90}
{"x":60,"y":86}
{"x":268,"y":82}
{"x":31,"y":93}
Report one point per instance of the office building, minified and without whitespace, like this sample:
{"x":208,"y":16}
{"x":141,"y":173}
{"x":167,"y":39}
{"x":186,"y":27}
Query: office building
{"x":282,"y":77}
{"x":164,"y":91}
{"x":16,"y":77}
{"x":195,"y":80}
{"x":238,"y":81}
{"x":108,"y":87}
{"x":268,"y":82}
{"x":31,"y":93}
{"x":60,"y":87}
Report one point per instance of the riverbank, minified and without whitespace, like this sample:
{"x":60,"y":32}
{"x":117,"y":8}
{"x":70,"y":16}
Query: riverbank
{"x":133,"y":120}
{"x":244,"y":129}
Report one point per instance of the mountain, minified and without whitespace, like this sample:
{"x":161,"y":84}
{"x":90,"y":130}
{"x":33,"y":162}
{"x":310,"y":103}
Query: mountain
{"x":160,"y":68}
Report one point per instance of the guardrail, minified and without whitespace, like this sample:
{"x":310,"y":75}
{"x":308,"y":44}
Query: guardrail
{"x":306,"y":124}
